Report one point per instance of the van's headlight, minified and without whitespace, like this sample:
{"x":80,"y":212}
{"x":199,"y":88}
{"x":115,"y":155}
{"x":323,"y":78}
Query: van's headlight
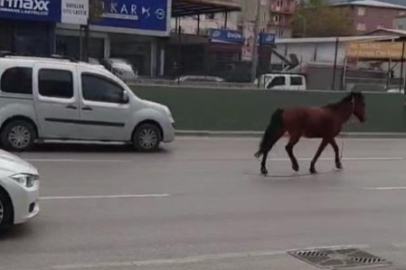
{"x":170,"y":115}
{"x":26,"y":180}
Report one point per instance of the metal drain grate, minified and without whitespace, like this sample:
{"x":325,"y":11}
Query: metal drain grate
{"x":339,"y":258}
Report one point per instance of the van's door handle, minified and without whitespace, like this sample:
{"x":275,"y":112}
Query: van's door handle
{"x":87,"y":108}
{"x":71,"y":107}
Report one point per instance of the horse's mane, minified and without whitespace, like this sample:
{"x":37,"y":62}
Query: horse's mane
{"x":349,"y":98}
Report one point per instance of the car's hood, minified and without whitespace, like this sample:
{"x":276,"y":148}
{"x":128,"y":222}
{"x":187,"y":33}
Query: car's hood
{"x":156,"y":106}
{"x":11,"y":164}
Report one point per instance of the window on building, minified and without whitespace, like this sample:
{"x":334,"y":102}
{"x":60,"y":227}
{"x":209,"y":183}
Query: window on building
{"x":361,"y":11}
{"x":361,"y":27}
{"x":55,"y":83}
{"x":17,"y":81}
{"x":97,"y":88}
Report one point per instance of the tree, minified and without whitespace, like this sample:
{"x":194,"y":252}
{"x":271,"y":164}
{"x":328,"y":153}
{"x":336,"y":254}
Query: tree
{"x":317,"y":19}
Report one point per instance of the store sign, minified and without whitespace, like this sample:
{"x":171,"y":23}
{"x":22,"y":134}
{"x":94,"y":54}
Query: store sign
{"x":375,"y":50}
{"x":226,"y":36}
{"x":38,"y":10}
{"x":135,"y":16}
{"x":66,"y":11}
{"x":75,"y":11}
{"x":267,"y":38}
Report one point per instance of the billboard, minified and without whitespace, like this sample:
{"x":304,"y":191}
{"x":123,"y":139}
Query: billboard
{"x":148,"y":17}
{"x":375,"y":50}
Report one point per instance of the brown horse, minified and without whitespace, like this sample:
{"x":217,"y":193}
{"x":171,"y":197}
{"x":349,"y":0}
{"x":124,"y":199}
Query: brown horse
{"x":324,"y":122}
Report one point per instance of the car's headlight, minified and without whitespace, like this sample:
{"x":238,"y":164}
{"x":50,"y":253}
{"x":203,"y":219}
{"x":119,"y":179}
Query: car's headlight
{"x":26,"y":180}
{"x":170,"y":115}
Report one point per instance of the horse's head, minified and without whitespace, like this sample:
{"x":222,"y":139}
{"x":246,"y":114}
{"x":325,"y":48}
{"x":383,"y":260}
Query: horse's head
{"x":358,"y":102}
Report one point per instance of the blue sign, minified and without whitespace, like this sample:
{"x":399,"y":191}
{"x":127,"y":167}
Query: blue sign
{"x":137,"y":15}
{"x":266,"y":38}
{"x":226,"y":36}
{"x":36,"y":10}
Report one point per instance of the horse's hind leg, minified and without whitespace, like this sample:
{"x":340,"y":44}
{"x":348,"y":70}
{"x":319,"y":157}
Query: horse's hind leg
{"x":322,"y":146}
{"x":294,"y":139}
{"x":272,"y":141}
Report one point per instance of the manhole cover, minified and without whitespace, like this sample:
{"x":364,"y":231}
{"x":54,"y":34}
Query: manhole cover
{"x":339,"y":258}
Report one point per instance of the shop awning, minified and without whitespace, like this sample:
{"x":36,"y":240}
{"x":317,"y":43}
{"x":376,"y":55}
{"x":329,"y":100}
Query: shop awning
{"x":182,"y":8}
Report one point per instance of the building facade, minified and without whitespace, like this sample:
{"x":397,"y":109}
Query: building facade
{"x":369,"y":15}
{"x":399,"y":23}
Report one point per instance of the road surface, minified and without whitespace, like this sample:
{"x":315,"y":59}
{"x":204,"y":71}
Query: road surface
{"x":201,"y":204}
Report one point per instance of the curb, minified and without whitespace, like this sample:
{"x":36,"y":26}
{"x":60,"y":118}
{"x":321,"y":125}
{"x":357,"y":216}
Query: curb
{"x":255,"y":134}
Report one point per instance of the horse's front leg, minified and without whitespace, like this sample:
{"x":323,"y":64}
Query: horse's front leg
{"x":322,"y":146}
{"x":294,"y":139}
{"x":337,"y":154}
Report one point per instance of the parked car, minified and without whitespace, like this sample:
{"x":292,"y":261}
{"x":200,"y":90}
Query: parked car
{"x":19,"y":190}
{"x":46,"y":99}
{"x":192,"y":78}
{"x":121,"y":68}
{"x":283,"y":81}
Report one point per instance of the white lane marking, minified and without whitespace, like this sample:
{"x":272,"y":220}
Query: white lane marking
{"x":213,"y":159}
{"x":130,"y":196}
{"x":346,"y":158}
{"x":385,"y":188}
{"x":77,"y":160}
{"x":193,"y":259}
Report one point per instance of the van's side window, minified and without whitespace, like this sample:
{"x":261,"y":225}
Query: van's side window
{"x":277,"y":81}
{"x":101,"y":89}
{"x":296,"y":81}
{"x":17,"y":80}
{"x":55,"y":83}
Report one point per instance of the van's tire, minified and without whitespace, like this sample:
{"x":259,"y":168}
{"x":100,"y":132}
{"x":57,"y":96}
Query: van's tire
{"x":6,"y":211}
{"x":147,"y":137}
{"x":18,"y":135}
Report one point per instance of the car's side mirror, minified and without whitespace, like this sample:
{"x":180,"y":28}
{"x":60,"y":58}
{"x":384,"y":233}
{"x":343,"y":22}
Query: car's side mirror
{"x":125,"y":98}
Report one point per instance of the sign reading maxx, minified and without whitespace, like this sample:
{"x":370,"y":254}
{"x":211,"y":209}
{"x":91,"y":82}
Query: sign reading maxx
{"x":43,"y":10}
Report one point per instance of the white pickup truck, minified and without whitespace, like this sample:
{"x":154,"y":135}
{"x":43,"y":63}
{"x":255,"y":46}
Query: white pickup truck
{"x":45,"y":99}
{"x":281,"y":81}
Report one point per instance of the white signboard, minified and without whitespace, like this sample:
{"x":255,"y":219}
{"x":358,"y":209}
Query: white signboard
{"x":75,"y":11}
{"x":248,"y":48}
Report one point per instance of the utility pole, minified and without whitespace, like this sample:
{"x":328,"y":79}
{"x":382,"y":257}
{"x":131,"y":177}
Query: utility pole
{"x":255,"y":45}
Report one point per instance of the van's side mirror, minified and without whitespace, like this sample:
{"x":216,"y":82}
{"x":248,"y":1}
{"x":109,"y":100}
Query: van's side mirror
{"x":125,"y":98}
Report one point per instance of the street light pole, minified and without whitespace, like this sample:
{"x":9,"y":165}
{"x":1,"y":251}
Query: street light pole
{"x":255,"y":45}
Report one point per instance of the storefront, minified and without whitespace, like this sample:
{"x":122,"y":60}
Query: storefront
{"x":129,"y":29}
{"x":28,"y":27}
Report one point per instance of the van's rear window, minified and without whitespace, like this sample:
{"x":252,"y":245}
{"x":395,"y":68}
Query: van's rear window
{"x":17,"y":80}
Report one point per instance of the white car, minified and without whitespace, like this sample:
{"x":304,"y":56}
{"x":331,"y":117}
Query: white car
{"x":19,"y":190}
{"x":47,"y":100}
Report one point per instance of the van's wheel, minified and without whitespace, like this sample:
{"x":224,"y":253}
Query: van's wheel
{"x":6,"y":211}
{"x":147,"y":138}
{"x":18,"y":135}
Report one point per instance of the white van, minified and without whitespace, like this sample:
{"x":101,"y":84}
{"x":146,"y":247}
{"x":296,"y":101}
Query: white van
{"x":45,"y":99}
{"x":283,"y":81}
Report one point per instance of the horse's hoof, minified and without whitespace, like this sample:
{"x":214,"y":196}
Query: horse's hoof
{"x":295,"y":167}
{"x":339,"y":166}
{"x":313,"y":171}
{"x":264,"y":171}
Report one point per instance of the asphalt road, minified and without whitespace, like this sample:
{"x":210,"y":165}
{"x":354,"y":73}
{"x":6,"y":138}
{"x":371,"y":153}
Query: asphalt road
{"x":201,"y":204}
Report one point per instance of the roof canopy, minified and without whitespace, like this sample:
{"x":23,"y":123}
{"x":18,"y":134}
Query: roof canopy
{"x":371,"y":3}
{"x":182,"y":8}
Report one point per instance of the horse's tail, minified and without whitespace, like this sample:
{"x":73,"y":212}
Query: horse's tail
{"x":271,"y":132}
